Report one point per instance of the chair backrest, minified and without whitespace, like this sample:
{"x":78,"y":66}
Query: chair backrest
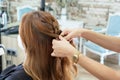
{"x":24,"y":9}
{"x":113,"y":27}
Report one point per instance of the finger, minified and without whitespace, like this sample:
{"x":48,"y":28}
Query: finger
{"x":55,"y":55}
{"x":61,"y":38}
{"x":53,"y":41}
{"x":70,"y":40}
{"x":65,"y":32}
{"x":68,"y":37}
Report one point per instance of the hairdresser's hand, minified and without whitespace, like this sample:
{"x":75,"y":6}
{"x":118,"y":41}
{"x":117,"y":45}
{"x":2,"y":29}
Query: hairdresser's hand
{"x":72,"y":33}
{"x":62,"y":48}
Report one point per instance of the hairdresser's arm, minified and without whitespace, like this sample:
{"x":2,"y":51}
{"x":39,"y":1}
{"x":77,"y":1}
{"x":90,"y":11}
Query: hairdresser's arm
{"x":109,"y":42}
{"x":100,"y":71}
{"x":62,"y":48}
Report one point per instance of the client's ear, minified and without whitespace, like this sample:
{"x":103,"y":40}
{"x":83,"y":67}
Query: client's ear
{"x":20,"y":44}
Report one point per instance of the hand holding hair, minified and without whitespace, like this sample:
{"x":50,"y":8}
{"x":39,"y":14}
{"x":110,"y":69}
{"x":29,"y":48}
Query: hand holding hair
{"x":62,"y":48}
{"x":72,"y":33}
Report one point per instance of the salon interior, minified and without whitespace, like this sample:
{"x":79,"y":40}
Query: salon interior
{"x":90,"y":14}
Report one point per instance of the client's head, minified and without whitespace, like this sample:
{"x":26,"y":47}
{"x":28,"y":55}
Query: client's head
{"x":37,"y":30}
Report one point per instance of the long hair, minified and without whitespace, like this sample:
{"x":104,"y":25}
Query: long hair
{"x":37,"y":30}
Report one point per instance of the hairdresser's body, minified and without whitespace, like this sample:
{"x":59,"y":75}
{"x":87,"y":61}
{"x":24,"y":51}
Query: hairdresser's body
{"x":62,"y":48}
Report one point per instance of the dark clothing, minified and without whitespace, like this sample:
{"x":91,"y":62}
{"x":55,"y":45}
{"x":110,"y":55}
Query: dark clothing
{"x":14,"y":73}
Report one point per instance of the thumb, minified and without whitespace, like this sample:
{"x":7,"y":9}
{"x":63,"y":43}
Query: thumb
{"x":68,"y":37}
{"x":61,"y":38}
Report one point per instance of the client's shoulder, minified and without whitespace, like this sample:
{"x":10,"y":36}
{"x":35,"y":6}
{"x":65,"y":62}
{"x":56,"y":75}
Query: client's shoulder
{"x":18,"y":73}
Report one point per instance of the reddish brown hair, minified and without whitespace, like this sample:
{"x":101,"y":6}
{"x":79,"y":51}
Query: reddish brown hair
{"x":34,"y":31}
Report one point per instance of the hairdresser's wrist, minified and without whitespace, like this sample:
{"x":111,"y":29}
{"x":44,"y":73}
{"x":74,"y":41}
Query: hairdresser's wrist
{"x":83,"y":32}
{"x":76,"y":56}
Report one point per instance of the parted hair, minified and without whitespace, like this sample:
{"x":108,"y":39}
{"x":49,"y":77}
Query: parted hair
{"x":37,"y":30}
